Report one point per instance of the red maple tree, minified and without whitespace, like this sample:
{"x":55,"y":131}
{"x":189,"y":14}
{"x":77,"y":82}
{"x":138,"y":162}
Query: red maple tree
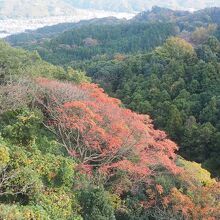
{"x":103,"y":135}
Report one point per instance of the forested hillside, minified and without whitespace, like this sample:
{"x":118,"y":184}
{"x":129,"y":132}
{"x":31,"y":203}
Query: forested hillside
{"x":179,"y":87}
{"x":68,"y":151}
{"x":103,"y":38}
{"x":186,"y":21}
{"x":90,"y":41}
{"x":177,"y":84}
{"x":45,"y":33}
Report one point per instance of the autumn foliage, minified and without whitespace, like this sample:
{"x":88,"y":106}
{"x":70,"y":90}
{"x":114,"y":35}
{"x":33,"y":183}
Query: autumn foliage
{"x":68,"y":151}
{"x":101,"y":134}
{"x":121,"y":150}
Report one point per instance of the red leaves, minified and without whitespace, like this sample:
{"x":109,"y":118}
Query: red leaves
{"x":95,"y":129}
{"x":201,"y":202}
{"x":122,"y":147}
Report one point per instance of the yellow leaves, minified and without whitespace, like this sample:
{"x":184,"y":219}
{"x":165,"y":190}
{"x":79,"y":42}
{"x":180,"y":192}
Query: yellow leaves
{"x":27,"y":117}
{"x":195,"y":173}
{"x":28,"y":214}
{"x":180,"y":43}
{"x":51,"y":175}
{"x":115,"y":200}
{"x":4,"y":156}
{"x":23,"y":118}
{"x":29,"y":161}
{"x":201,"y":34}
{"x":58,"y":202}
{"x":15,"y":212}
{"x":176,"y":48}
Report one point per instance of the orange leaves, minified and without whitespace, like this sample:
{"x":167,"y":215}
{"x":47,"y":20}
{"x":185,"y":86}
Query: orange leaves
{"x":159,"y":189}
{"x":98,"y":93}
{"x":203,"y":202}
{"x":102,"y":135}
{"x":182,"y":203}
{"x":135,"y":169}
{"x":123,"y":146}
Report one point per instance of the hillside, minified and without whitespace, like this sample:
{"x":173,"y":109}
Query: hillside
{"x":69,"y":151}
{"x":180,"y":93}
{"x":185,"y":23}
{"x":94,"y":41}
{"x":112,"y":119}
{"x":95,"y":38}
{"x":48,"y":32}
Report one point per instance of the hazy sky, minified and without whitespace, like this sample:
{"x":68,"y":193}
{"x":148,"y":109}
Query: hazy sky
{"x":139,"y":5}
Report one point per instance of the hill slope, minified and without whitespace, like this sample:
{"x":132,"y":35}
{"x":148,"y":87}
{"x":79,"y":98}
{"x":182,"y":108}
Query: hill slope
{"x":186,"y":22}
{"x":69,"y":151}
{"x":181,"y":95}
{"x":48,"y":32}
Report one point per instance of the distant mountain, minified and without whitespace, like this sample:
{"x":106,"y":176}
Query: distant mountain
{"x":31,"y":36}
{"x":140,"y":5}
{"x":19,"y":9}
{"x":159,"y":14}
{"x":186,"y":20}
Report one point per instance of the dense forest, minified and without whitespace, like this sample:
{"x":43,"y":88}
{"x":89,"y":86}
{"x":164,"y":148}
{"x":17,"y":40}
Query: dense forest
{"x":70,"y":151}
{"x":179,"y":87}
{"x":90,"y":41}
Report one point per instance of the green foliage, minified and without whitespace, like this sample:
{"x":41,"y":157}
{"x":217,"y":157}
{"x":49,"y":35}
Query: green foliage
{"x":91,"y":41}
{"x":18,"y":62}
{"x":96,"y":204}
{"x":178,"y":86}
{"x":77,"y":76}
{"x":58,"y":203}
{"x":15,"y":212}
{"x":20,"y":126}
{"x":36,"y":180}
